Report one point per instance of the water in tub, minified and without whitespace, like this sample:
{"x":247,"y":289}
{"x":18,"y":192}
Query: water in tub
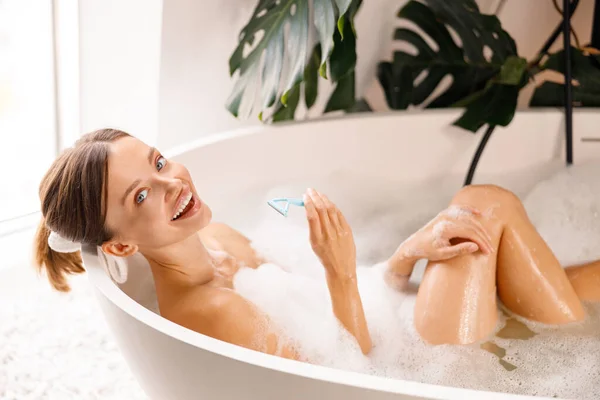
{"x":522,"y":357}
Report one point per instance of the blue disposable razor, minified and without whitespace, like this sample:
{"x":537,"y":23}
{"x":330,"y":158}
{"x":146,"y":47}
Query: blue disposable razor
{"x":282,"y":204}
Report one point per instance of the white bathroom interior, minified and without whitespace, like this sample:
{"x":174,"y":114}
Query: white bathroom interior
{"x":159,"y":70}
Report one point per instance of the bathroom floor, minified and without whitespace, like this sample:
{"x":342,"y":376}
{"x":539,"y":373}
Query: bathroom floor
{"x":54,"y":345}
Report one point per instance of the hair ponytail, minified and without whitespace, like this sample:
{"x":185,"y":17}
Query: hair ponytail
{"x":73,"y":197}
{"x":56,"y":265}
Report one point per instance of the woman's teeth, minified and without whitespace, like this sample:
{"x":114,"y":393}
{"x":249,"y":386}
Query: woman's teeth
{"x":182,"y":207}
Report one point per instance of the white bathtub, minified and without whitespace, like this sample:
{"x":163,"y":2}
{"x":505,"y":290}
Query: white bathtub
{"x":174,"y":363}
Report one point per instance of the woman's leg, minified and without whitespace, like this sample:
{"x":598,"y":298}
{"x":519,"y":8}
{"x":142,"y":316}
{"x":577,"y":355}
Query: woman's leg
{"x":456,"y":302}
{"x":585,"y":279}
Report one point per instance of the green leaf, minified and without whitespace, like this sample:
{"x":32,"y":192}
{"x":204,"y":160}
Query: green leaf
{"x":343,"y":7}
{"x":342,"y":97}
{"x":495,"y":105}
{"x":325,"y":25}
{"x":259,"y":62}
{"x":343,"y":57}
{"x":311,"y":77}
{"x":585,"y":70}
{"x":287,"y":112}
{"x":352,"y":11}
{"x":470,"y":68}
{"x":512,"y":70}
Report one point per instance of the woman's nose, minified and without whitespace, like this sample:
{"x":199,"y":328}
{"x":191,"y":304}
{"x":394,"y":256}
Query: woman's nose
{"x":170,"y":185}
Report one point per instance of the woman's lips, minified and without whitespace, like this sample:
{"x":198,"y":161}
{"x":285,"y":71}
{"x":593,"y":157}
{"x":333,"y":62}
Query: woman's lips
{"x":191,"y":209}
{"x":185,"y":192}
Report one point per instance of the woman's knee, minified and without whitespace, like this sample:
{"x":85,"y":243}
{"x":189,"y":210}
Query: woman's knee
{"x":488,"y":196}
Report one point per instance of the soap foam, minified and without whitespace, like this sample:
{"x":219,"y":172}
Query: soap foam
{"x":291,"y":289}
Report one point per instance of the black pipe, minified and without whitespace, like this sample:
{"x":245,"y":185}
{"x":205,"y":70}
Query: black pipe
{"x":568,"y":81}
{"x":477,"y":155}
{"x":559,"y":28}
{"x":568,"y":10}
{"x":595,"y":43}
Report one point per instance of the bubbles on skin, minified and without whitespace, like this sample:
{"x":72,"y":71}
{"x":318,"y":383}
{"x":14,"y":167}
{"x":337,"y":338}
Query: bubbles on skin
{"x":438,"y":232}
{"x":456,"y":212}
{"x":550,"y":361}
{"x":301,"y":309}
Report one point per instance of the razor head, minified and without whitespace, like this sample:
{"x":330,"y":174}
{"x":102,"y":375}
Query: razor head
{"x":280,"y":208}
{"x":282,"y":204}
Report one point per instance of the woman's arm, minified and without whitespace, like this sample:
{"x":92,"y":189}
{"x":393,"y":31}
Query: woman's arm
{"x":332,"y":241}
{"x":453,"y":232}
{"x":347,"y":307}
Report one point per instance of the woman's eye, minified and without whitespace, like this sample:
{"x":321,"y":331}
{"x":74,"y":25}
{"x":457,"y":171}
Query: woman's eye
{"x":141,"y":196}
{"x":160,"y":163}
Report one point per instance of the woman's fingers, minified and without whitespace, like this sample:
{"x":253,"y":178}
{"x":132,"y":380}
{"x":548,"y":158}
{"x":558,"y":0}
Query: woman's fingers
{"x":483,"y":233}
{"x":453,"y":230}
{"x":469,"y":214}
{"x":462,"y":216}
{"x":332,"y":212}
{"x":313,"y":218}
{"x":458,"y":250}
{"x":471,"y":209}
{"x":344,"y":225}
{"x":321,"y":211}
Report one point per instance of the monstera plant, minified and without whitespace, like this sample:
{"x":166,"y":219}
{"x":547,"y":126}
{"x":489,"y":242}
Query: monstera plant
{"x":486,"y":85}
{"x":277,"y":60}
{"x":275,"y":53}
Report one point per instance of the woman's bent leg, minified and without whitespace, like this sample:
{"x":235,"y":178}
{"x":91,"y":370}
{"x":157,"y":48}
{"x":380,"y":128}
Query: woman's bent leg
{"x":456,"y":302}
{"x":585,"y":279}
{"x":531,"y":281}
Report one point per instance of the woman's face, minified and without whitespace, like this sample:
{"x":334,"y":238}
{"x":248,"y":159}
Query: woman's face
{"x":152,"y":202}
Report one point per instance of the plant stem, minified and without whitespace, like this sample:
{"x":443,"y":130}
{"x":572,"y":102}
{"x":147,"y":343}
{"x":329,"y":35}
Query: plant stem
{"x":478,"y":152}
{"x":595,"y":42}
{"x":568,"y":81}
{"x":571,"y":9}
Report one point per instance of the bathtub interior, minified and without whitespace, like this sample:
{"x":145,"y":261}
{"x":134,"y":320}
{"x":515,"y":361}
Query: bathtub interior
{"x":239,"y":198}
{"x":236,"y":177}
{"x":367,"y":213}
{"x":363,"y":164}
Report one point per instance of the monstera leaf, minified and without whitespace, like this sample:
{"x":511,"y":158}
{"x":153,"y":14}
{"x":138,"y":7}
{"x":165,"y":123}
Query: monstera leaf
{"x":585,"y":71}
{"x":486,"y":71}
{"x":278,"y":61}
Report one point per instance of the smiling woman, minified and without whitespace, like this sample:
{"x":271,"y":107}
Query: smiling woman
{"x":113,"y":191}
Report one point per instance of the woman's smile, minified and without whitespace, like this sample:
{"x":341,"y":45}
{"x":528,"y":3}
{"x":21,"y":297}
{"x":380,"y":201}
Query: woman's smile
{"x":187,"y":205}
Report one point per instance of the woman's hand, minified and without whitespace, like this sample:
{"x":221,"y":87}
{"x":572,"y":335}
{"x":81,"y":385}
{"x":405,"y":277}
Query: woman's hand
{"x":453,"y":232}
{"x":330,"y":236}
{"x":331,"y":240}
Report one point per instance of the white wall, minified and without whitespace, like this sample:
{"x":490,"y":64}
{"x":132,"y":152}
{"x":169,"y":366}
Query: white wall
{"x":126,"y":44}
{"x":198,"y":38}
{"x":119,"y":65}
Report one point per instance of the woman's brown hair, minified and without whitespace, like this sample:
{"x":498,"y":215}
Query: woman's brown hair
{"x":73,"y":201}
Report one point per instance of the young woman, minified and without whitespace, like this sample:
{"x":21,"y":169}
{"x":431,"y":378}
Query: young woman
{"x":113,"y":191}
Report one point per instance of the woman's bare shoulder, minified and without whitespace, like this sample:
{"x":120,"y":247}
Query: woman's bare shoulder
{"x":200,"y":305}
{"x":222,"y":314}
{"x":228,"y":239}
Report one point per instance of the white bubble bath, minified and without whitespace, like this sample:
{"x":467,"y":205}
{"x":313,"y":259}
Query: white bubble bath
{"x":521,"y":358}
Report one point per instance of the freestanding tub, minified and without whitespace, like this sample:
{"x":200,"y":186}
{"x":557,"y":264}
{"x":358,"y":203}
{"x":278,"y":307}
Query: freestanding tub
{"x":174,"y":363}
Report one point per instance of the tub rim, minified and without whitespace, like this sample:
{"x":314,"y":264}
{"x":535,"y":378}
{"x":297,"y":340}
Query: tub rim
{"x":98,"y":277}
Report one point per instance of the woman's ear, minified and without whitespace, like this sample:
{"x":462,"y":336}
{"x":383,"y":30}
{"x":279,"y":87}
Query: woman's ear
{"x":119,"y":249}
